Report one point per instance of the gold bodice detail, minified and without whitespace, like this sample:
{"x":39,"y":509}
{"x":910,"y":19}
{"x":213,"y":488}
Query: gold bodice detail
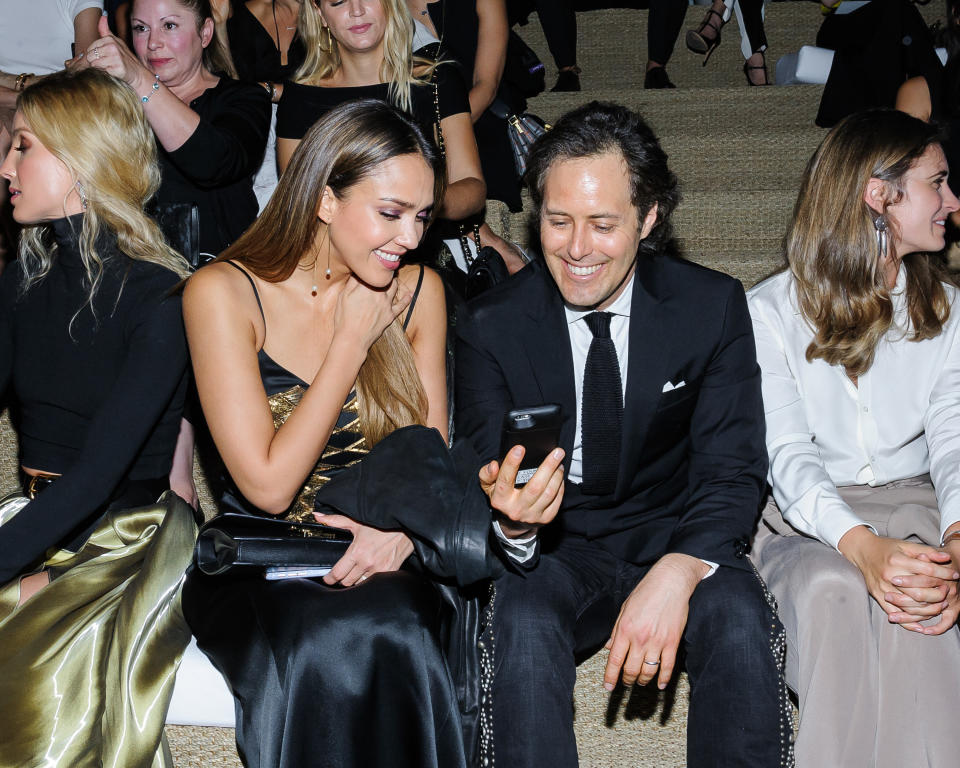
{"x":346,"y":447}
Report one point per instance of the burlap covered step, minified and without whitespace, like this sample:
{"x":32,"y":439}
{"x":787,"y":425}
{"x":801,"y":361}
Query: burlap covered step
{"x":639,"y":729}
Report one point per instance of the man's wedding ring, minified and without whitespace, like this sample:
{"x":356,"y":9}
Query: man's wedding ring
{"x":652,"y":663}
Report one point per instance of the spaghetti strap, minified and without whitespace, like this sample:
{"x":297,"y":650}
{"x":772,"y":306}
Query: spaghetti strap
{"x":256,"y":293}
{"x":413,"y":299}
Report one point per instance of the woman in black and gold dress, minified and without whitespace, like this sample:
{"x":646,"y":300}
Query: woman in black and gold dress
{"x":93,"y":353}
{"x":310,"y":345}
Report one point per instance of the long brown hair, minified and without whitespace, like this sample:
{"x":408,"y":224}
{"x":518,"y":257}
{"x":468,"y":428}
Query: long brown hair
{"x":831,"y":244}
{"x":342,"y":149}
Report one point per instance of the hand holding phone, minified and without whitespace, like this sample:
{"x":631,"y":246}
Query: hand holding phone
{"x":537,"y":429}
{"x":536,"y":503}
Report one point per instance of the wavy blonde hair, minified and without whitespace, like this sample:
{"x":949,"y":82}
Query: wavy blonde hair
{"x":343,"y":148}
{"x":94,"y":124}
{"x":400,"y":69}
{"x":831,"y":244}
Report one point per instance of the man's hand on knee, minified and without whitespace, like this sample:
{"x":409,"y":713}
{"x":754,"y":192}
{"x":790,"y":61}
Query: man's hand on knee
{"x":645,"y":638}
{"x":524,"y":509}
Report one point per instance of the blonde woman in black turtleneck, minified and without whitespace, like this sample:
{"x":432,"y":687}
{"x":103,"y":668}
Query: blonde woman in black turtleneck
{"x":92,"y":351}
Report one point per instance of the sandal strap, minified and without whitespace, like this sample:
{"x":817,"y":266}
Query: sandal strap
{"x":706,"y":20}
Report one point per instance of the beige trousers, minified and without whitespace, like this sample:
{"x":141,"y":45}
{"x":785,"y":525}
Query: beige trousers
{"x":872,"y":694}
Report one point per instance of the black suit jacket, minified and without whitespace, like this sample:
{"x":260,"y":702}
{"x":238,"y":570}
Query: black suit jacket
{"x":693,"y":462}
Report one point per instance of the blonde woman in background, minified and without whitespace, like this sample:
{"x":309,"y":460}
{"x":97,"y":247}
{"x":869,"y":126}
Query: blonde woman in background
{"x":858,"y":341}
{"x":363,"y":49}
{"x":93,"y":352}
{"x":310,"y":344}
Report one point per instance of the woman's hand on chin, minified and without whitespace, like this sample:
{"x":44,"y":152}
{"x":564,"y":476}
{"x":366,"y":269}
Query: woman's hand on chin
{"x":111,"y":54}
{"x":364,"y":313}
{"x":372,"y":551}
{"x":890,"y":567}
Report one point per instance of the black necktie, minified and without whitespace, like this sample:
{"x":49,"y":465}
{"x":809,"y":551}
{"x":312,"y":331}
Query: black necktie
{"x":601,"y":419}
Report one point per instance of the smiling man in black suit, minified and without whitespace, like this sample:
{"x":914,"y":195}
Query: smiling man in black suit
{"x":634,"y":531}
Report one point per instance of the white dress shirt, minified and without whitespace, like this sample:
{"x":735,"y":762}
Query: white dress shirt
{"x":901,"y":420}
{"x":522,"y":549}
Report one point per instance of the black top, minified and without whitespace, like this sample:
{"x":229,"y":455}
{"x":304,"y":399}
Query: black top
{"x":302,"y":105}
{"x":214,"y":168}
{"x":457,"y":27}
{"x":99,"y":393}
{"x":255,"y":55}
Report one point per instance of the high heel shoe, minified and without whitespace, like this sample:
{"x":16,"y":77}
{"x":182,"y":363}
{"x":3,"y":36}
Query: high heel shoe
{"x":697,"y":43}
{"x":747,"y":68}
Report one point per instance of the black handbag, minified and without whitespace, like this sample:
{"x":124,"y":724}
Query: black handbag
{"x":232,"y":542}
{"x":484,"y":271}
{"x":488,"y":268}
{"x":522,"y":130}
{"x":180,"y":225}
{"x":522,"y":68}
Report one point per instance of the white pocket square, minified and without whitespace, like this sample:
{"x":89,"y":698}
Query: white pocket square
{"x":670,"y":386}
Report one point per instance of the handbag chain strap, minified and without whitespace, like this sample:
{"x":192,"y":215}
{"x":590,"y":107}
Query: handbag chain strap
{"x":464,"y":236}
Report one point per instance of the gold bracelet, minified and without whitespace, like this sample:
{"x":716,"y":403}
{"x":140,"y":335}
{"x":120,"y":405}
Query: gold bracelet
{"x":950,"y":537}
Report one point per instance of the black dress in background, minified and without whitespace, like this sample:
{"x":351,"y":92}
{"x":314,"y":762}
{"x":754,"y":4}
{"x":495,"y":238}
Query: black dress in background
{"x":214,"y":168}
{"x":302,"y":105}
{"x":328,"y":676}
{"x":878,"y":47}
{"x":458,"y":28}
{"x":254,"y":53}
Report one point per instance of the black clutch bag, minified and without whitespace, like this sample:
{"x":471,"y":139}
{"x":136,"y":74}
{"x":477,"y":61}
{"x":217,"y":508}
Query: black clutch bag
{"x":232,"y":542}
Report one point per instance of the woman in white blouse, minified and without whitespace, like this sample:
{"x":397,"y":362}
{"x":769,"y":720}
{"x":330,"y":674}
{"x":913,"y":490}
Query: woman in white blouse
{"x":859,"y":344}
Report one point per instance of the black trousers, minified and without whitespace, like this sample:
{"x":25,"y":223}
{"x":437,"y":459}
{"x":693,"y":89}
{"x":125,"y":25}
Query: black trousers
{"x":559,"y":22}
{"x":565,"y":607}
{"x":752,"y":11}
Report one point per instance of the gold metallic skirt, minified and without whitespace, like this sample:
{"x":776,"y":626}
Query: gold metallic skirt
{"x":87,"y":665}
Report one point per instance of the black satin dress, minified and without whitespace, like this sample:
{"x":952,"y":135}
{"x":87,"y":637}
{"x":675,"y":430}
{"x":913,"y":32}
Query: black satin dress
{"x":328,"y":676}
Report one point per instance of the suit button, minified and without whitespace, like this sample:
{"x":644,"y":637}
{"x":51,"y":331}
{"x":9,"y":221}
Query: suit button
{"x":741,"y":547}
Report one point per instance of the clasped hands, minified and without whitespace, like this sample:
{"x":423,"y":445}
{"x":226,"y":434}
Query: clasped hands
{"x":647,"y":633}
{"x":912,"y":582}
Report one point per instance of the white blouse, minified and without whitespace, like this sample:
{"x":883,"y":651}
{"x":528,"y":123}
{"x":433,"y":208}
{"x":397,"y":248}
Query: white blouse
{"x":901,"y":420}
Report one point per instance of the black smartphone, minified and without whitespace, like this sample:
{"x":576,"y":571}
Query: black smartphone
{"x":537,"y":429}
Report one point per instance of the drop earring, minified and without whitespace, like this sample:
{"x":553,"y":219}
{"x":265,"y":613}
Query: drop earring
{"x":327,"y":273}
{"x":880,"y":225}
{"x":329,"y":47}
{"x":82,"y":194}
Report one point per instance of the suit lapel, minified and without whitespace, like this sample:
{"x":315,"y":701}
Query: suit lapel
{"x":546,"y":342}
{"x":646,"y":368}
